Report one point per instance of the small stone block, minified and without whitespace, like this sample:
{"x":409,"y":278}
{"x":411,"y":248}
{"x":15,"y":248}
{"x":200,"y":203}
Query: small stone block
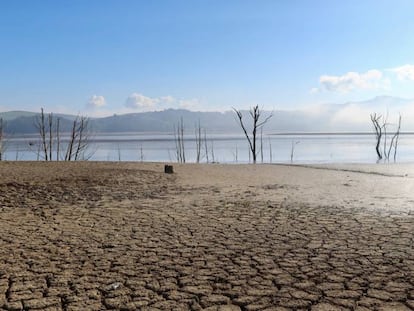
{"x":168,"y":169}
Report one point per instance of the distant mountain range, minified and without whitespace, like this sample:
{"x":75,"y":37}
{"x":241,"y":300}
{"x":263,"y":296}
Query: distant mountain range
{"x":348,"y":117}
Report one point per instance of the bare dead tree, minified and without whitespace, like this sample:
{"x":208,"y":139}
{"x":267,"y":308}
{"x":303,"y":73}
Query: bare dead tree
{"x":78,"y":140}
{"x":119,"y":153}
{"x":258,"y":122}
{"x":381,"y":124}
{"x":206,"y":145}
{"x":270,"y":151}
{"x":50,"y":138}
{"x":1,"y":139}
{"x":83,"y":138}
{"x":181,"y":133}
{"x":40,"y":124}
{"x":213,"y":155}
{"x":378,"y":133}
{"x":141,"y":154}
{"x":179,"y":141}
{"x":71,"y":143}
{"x":177,"y":144}
{"x":198,"y":140}
{"x":50,"y":122}
{"x":57,"y":139}
{"x":394,"y":140}
{"x":16,"y":158}
{"x":261,"y":144}
{"x":236,"y":155}
{"x":397,"y":136}
{"x":384,"y":128}
{"x":292,"y":150}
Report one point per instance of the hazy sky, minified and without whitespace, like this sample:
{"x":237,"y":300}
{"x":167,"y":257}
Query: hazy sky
{"x":102,"y":57}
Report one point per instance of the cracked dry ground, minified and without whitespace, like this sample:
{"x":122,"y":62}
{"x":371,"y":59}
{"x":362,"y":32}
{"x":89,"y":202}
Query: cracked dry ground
{"x":93,"y":236}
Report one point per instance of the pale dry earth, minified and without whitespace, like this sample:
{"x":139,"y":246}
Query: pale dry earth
{"x":126,"y":236}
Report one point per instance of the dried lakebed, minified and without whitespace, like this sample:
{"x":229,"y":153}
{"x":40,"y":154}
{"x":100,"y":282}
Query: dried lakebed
{"x":124,"y":236}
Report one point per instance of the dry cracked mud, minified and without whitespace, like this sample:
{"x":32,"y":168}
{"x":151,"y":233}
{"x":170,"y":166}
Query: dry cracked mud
{"x":95,"y":236}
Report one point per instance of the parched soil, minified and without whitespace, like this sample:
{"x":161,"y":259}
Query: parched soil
{"x":112,"y":236}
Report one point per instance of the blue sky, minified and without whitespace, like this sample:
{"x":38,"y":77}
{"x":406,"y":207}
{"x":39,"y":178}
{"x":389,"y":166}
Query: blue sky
{"x":104,"y":57}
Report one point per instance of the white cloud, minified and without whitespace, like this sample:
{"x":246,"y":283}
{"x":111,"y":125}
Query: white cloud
{"x":372,"y":79}
{"x":96,"y":101}
{"x":405,"y":72}
{"x":139,"y":101}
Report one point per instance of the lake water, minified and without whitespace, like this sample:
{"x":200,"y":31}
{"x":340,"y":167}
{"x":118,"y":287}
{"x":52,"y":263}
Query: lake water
{"x":223,"y":148}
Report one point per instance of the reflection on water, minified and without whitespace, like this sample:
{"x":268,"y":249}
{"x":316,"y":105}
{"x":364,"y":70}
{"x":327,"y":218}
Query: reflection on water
{"x":223,"y":148}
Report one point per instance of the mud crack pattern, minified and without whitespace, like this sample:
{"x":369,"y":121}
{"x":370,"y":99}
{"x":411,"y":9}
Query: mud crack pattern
{"x":118,"y":238}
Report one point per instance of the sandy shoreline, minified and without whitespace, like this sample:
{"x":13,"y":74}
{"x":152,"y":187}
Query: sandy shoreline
{"x":126,"y":236}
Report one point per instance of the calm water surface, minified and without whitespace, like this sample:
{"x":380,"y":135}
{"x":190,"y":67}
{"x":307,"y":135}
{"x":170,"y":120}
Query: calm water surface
{"x":224,"y":148}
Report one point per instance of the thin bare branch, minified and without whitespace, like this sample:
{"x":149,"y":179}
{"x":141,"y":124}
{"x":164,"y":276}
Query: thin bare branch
{"x":256,"y":115}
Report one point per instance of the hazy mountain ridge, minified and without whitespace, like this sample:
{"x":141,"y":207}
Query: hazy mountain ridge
{"x":347,"y":117}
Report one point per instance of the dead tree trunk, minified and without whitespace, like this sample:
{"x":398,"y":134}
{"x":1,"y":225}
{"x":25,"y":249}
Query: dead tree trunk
{"x":198,"y":141}
{"x":270,"y":151}
{"x":1,"y":139}
{"x":41,"y":127}
{"x":378,"y":133}
{"x":71,"y":143}
{"x":206,"y":145}
{"x":82,"y":137}
{"x":179,"y":141}
{"x":394,"y":141}
{"x":261,"y":144}
{"x":381,"y":131}
{"x":50,"y":121}
{"x":57,"y":139}
{"x":256,"y":115}
{"x":397,"y":136}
